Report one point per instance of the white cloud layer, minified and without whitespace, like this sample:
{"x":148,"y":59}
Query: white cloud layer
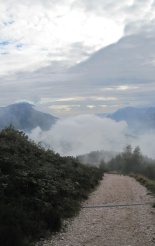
{"x":82,"y":134}
{"x":39,"y":32}
{"x":85,"y":133}
{"x":39,"y":39}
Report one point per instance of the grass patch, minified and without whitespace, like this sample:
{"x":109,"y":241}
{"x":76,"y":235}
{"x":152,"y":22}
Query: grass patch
{"x":148,"y":183}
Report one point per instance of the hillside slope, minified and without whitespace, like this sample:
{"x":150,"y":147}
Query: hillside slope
{"x":38,"y":188}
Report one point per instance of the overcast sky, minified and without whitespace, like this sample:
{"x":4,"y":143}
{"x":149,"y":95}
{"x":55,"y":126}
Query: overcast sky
{"x":77,"y":56}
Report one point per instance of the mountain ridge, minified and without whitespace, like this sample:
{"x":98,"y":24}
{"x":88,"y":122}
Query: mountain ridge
{"x":139,"y":119}
{"x":23,"y":116}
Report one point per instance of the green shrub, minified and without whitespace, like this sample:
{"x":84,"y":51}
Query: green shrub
{"x":38,"y":188}
{"x":133,"y":163}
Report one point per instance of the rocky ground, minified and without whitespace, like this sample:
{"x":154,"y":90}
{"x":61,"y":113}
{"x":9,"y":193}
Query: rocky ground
{"x":118,"y":226}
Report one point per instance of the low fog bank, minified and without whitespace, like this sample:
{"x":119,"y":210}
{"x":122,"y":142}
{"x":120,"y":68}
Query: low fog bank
{"x":85,"y":133}
{"x":97,"y":157}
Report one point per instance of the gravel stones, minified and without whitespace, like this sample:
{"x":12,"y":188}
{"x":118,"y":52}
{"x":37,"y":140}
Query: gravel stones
{"x":121,"y":226}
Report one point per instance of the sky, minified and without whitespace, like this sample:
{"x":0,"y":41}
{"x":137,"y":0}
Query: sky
{"x":71,"y":57}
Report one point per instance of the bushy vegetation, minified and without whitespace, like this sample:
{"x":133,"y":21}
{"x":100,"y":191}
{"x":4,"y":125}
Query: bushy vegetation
{"x":149,"y":183}
{"x":132,"y":162}
{"x":38,"y":188}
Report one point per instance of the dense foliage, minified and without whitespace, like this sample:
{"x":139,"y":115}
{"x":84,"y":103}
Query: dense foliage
{"x":38,"y":188}
{"x":132,"y":162}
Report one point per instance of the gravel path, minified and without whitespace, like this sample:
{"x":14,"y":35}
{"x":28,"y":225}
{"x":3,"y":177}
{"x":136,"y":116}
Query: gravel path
{"x":120,"y":226}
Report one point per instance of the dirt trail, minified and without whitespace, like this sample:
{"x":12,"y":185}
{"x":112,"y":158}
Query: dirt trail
{"x":127,"y":226}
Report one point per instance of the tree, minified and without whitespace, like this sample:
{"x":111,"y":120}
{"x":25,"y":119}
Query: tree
{"x":137,"y":159}
{"x":127,"y":159}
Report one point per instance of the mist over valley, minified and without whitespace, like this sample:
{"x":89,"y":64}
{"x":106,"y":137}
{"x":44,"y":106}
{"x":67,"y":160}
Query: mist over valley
{"x":82,"y":134}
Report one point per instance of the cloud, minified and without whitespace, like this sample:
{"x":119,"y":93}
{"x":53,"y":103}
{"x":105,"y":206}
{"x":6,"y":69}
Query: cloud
{"x":37,"y":45}
{"x":41,"y":32}
{"x":126,"y":87}
{"x":85,"y":133}
{"x":122,"y":11}
{"x":79,"y":99}
{"x":129,"y":62}
{"x":77,"y":105}
{"x":45,"y":31}
{"x":82,"y":134}
{"x":64,"y":108}
{"x":146,"y":142}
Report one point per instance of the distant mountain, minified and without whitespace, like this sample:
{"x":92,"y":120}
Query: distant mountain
{"x":23,"y":116}
{"x":137,"y":119}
